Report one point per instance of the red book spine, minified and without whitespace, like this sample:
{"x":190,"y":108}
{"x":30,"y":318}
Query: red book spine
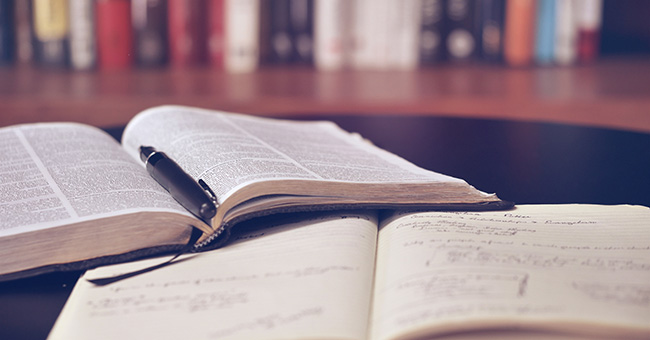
{"x":589,"y":15}
{"x":216,"y":32}
{"x":114,"y":34}
{"x":588,"y":45}
{"x":187,"y":32}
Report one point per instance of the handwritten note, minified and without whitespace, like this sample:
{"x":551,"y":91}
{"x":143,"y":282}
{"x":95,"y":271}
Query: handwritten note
{"x":287,"y":281}
{"x":569,"y":264}
{"x":571,"y":267}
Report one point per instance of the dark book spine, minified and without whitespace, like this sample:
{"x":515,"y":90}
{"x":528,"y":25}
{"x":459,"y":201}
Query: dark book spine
{"x":83,"y":40}
{"x":24,"y":29}
{"x":460,"y":41}
{"x":280,"y":32}
{"x":217,"y":32}
{"x":114,"y":34}
{"x":265,"y":43}
{"x":432,"y":30}
{"x":490,"y":29}
{"x":150,"y":32}
{"x":187,"y":32}
{"x":50,"y":31}
{"x":301,"y":13}
{"x":7,"y":32}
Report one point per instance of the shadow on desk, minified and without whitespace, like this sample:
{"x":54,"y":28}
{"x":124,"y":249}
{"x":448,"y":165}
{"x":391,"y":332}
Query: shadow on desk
{"x":522,"y":162}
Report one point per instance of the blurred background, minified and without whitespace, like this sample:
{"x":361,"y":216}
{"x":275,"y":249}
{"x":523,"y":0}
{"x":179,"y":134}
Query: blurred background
{"x":582,"y":62}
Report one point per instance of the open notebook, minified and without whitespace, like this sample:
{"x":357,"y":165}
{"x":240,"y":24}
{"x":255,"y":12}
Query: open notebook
{"x":536,"y":271}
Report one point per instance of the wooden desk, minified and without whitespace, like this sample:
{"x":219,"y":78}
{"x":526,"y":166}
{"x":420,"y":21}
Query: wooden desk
{"x":523,"y":162}
{"x":609,"y":93}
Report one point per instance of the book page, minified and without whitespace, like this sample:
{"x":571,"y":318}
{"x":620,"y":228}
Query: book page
{"x":230,"y":150}
{"x":60,"y":173}
{"x":566,"y":268}
{"x":309,"y":279}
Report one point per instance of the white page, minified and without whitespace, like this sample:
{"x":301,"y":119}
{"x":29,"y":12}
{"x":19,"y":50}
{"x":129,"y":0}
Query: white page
{"x":59,"y":173}
{"x":311,"y":279}
{"x":555,"y":267}
{"x":228,"y":151}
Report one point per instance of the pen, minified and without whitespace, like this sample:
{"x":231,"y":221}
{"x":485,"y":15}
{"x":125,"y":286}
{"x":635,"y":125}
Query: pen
{"x":183,"y":188}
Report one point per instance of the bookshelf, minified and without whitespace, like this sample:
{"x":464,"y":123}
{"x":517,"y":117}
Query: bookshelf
{"x":612,"y":92}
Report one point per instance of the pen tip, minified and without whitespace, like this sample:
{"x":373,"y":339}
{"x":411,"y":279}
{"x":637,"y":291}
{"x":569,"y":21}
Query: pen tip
{"x":207,"y":211}
{"x":145,"y":152}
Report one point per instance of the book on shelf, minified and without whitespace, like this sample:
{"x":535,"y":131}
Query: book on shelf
{"x":23,"y":31}
{"x":519,"y":36}
{"x":460,"y":40}
{"x":187,"y":32}
{"x":242,"y":41}
{"x":566,"y":33}
{"x":81,"y":199}
{"x":149,"y":21}
{"x":589,"y":20}
{"x":431,"y":35}
{"x":82,"y":35}
{"x":535,"y":272}
{"x":279,"y":34}
{"x":237,"y":36}
{"x":545,"y":32}
{"x":403,"y":32}
{"x":290,"y":31}
{"x":301,"y":14}
{"x":50,"y":32}
{"x":7,"y":32}
{"x":386,"y":34}
{"x":490,"y":30}
{"x":332,"y":34}
{"x":114,"y":34}
{"x":216,"y":33}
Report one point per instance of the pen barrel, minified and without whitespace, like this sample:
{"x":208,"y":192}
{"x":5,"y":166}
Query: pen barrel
{"x":182,"y":187}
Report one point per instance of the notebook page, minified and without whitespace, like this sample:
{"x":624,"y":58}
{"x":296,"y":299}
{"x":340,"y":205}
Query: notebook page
{"x":308,"y":279}
{"x":573,"y":268}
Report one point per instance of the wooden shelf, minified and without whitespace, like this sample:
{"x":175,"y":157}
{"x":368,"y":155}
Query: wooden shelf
{"x":610,"y":93}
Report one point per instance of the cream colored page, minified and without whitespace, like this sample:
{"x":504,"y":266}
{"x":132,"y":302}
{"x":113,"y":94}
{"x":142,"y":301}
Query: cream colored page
{"x":550,"y":267}
{"x":59,"y":173}
{"x":228,"y":151}
{"x":298,"y":281}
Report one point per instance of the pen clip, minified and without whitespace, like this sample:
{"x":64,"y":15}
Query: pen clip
{"x":209,"y":191}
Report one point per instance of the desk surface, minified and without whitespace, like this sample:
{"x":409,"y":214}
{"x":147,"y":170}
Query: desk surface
{"x":522,"y":162}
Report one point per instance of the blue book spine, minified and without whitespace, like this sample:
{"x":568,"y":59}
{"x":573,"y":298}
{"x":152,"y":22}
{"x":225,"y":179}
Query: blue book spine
{"x":7,"y":32}
{"x":545,"y":34}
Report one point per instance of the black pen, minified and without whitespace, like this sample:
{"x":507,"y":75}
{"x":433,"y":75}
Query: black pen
{"x":183,"y":188}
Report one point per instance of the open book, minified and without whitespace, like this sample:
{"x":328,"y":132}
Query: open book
{"x":533,"y":272}
{"x":72,"y":197}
